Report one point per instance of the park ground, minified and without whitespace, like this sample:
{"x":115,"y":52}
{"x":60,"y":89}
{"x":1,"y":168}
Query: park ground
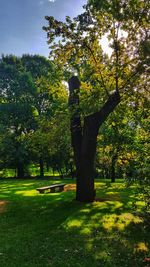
{"x":41,"y":230}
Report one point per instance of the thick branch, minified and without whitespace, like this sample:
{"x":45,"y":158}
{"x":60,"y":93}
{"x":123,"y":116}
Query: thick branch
{"x":95,"y":120}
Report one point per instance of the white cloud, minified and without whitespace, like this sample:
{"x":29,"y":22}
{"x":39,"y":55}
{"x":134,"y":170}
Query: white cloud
{"x":41,"y":2}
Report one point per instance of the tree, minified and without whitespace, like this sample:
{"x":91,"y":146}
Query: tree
{"x":51,"y":142}
{"x":30,"y":93}
{"x":16,"y":112}
{"x":84,"y":141}
{"x":50,"y":97}
{"x":141,"y":145}
{"x":60,"y":140}
{"x":116,"y":150}
{"x":107,"y":78}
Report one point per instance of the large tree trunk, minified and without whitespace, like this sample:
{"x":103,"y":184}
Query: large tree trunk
{"x":85,"y":181}
{"x":76,"y":129}
{"x":20,"y":170}
{"x":84,"y":139}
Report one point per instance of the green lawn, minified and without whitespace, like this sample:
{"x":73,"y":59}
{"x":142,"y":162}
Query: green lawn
{"x":39,"y":230}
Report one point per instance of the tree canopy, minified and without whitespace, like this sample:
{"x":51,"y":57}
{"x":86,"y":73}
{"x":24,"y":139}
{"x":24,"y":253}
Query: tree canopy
{"x":76,"y":45}
{"x":31,"y":92}
{"x":105,"y":79}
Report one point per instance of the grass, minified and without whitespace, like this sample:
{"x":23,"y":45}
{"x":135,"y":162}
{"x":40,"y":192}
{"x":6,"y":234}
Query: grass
{"x":40,"y":230}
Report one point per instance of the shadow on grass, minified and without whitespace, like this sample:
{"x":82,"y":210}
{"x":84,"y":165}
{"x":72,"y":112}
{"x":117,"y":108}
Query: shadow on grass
{"x":55,"y":230}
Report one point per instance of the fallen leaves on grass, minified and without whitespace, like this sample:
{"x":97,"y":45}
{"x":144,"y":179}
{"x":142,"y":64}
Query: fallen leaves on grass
{"x":70,"y":187}
{"x":3,"y":205}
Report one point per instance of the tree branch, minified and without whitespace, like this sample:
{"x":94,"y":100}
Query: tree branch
{"x":96,"y":119}
{"x":107,"y":92}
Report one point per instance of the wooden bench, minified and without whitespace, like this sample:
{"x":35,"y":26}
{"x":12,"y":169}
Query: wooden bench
{"x":51,"y":188}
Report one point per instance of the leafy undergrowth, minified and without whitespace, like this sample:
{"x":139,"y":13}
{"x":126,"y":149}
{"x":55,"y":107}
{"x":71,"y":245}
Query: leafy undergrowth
{"x":40,"y":230}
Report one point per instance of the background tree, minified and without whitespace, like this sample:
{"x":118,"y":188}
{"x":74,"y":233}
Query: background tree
{"x":115,"y":143}
{"x":16,"y":111}
{"x":50,"y":97}
{"x":31,"y":91}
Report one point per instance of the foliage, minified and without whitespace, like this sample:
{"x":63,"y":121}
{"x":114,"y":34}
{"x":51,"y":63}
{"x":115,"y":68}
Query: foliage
{"x":79,"y":48}
{"x":31,"y":91}
{"x":116,"y":144}
{"x":106,"y":78}
{"x":16,"y":111}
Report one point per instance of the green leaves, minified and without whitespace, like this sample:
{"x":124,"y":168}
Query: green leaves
{"x":76,"y":44}
{"x":31,"y":91}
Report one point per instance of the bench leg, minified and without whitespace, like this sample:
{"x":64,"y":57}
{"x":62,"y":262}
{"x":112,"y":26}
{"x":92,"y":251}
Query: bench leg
{"x":61,"y":189}
{"x":52,"y":190}
{"x":41,"y":191}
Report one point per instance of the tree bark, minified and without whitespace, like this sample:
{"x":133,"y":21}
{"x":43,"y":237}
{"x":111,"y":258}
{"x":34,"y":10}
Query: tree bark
{"x":20,"y":170}
{"x":75,"y":127}
{"x":113,"y":165}
{"x":41,"y":163}
{"x":84,"y":139}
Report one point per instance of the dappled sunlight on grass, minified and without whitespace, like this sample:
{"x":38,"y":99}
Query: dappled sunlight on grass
{"x":139,"y":204}
{"x":28,"y":189}
{"x":55,"y":230}
{"x":28,"y":184}
{"x":114,"y":205}
{"x":111,"y":193}
{"x":85,"y":210}
{"x":74,"y":223}
{"x":101,"y":215}
{"x":141,"y":246}
{"x":119,"y":222}
{"x":29,"y":193}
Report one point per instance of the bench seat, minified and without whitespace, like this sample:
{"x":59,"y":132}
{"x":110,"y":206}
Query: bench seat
{"x":51,"y":188}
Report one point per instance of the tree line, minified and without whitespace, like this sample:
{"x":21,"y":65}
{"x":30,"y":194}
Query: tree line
{"x":33,"y":129}
{"x":35,"y":121}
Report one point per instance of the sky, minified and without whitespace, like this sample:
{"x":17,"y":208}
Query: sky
{"x":21,"y":23}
